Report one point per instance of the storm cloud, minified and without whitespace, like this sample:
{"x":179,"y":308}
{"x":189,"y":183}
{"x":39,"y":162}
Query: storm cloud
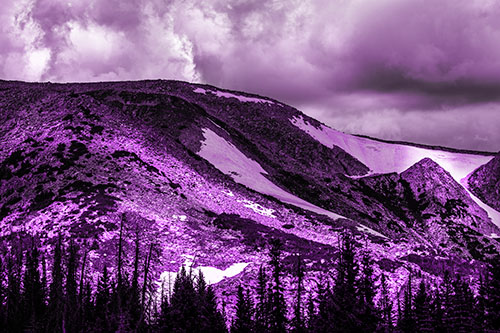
{"x":415,"y":70}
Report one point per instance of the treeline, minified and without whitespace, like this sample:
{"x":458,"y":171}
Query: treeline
{"x":354,"y":299}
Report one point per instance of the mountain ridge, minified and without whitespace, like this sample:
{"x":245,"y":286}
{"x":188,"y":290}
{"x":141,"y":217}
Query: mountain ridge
{"x":214,"y":177}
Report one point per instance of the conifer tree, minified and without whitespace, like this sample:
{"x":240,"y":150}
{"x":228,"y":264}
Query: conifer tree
{"x":45,"y":290}
{"x":278,"y":320}
{"x":423,"y":315}
{"x":14,"y":318}
{"x":368,"y":313}
{"x":345,"y":295}
{"x":406,"y":321}
{"x":3,"y":281}
{"x":262,"y":306}
{"x":102,"y":300}
{"x":326,"y":319}
{"x":87,"y":305}
{"x":492,"y":295}
{"x":34,"y":299}
{"x":56,"y":297}
{"x":311,"y":313}
{"x":385,"y":324}
{"x":480,"y":318}
{"x":437,"y":311}
{"x":70,"y":316}
{"x":447,"y":301}
{"x":133,"y":304}
{"x":461,"y":308}
{"x":182,"y":311}
{"x":243,"y":322}
{"x":212,"y":319}
{"x":298,"y":324}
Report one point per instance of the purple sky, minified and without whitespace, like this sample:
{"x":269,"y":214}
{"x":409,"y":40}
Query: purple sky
{"x":417,"y":70}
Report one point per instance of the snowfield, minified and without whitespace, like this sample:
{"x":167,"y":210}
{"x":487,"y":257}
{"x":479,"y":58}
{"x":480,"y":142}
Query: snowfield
{"x":229,"y":95}
{"x":212,"y":275}
{"x":382,"y":157}
{"x":231,"y":161}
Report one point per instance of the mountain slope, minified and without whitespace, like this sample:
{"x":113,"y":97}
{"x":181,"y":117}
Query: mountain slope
{"x":208,"y":176}
{"x":485,"y":183}
{"x":385,"y":157}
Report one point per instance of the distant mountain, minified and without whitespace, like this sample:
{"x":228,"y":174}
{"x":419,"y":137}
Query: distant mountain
{"x":207,"y":176}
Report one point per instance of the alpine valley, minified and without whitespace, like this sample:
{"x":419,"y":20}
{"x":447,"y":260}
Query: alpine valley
{"x":203,"y":177}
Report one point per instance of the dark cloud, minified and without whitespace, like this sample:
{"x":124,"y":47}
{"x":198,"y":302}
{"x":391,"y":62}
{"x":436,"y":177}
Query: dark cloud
{"x":362,"y":66}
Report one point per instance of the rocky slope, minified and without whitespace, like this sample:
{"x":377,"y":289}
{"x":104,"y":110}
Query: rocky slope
{"x":485,"y":183}
{"x":208,"y":176}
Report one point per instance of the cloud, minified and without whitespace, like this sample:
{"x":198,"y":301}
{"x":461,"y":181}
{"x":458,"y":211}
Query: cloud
{"x":358,"y":59}
{"x":470,"y":126}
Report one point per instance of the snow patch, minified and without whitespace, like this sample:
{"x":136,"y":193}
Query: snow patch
{"x":365,"y":229}
{"x":258,"y":208}
{"x":200,"y":91}
{"x":212,"y":275}
{"x":180,"y":217}
{"x":382,"y":157}
{"x":230,"y":95}
{"x":231,"y":161}
{"x":228,"y":193}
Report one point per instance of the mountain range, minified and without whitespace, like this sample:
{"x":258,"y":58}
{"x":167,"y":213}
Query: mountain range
{"x":208,"y":176}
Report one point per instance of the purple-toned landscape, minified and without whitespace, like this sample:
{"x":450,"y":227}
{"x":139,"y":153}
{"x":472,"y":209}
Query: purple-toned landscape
{"x":249,"y":166}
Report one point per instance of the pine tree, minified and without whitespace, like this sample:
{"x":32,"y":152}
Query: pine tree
{"x":385,"y":324}
{"x":311,"y":313}
{"x":56,"y":297}
{"x":243,"y":322}
{"x":262,"y":306}
{"x":447,"y":302}
{"x":406,"y":321}
{"x":133,"y":303}
{"x":183,"y":312}
{"x":87,"y":304}
{"x":14,"y":314}
{"x":70,"y":316}
{"x":437,"y":312}
{"x":102,"y":301}
{"x":298,"y":324}
{"x":3,"y":281}
{"x":480,"y":301}
{"x":328,"y":310}
{"x":423,"y":315}
{"x":212,"y":319}
{"x":345,"y":294}
{"x":461,"y":309}
{"x":277,"y":313}
{"x":492,"y":295}
{"x":367,"y":291}
{"x":34,"y":299}
{"x":45,"y":290}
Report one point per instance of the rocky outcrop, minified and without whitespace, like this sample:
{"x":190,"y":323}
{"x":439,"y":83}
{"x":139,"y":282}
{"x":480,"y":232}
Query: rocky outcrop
{"x":485,"y":183}
{"x":424,"y":202}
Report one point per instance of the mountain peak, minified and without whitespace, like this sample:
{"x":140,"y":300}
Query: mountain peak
{"x":429,"y":169}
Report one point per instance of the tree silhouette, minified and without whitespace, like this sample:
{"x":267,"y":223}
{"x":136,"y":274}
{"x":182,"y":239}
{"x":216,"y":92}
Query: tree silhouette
{"x":297,"y":323}
{"x":278,"y":320}
{"x":423,"y":315}
{"x":243,"y":322}
{"x":262,"y":305}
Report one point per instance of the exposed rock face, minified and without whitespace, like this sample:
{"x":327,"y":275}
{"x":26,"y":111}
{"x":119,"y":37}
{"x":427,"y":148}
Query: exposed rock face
{"x":426,"y":203}
{"x":485,"y":183}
